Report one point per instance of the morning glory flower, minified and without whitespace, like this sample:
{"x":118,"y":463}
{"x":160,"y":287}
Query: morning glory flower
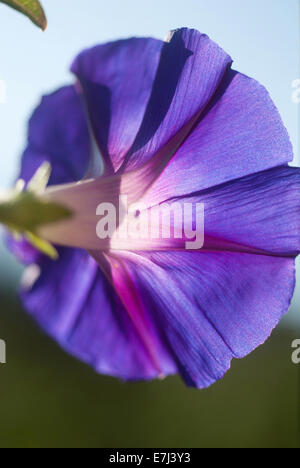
{"x":160,"y":122}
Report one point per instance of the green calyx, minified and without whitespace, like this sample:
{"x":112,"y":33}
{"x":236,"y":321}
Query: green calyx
{"x":26,"y":212}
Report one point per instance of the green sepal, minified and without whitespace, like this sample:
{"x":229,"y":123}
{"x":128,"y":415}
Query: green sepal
{"x":42,"y":245}
{"x":26,"y":212}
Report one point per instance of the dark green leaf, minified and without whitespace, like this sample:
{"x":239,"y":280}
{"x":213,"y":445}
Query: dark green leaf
{"x":31,"y":8}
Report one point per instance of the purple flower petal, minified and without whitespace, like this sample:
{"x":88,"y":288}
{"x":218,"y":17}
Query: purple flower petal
{"x":141,"y":92}
{"x":58,"y":133}
{"x":74,"y":302}
{"x":24,"y":251}
{"x":213,"y":306}
{"x":260,"y":212}
{"x":241,"y":133}
{"x":117,"y":79}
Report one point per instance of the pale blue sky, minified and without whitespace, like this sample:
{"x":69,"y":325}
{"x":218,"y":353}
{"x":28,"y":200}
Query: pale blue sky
{"x":262,"y":36}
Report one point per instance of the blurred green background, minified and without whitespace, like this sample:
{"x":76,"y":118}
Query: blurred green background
{"x":48,"y":399}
